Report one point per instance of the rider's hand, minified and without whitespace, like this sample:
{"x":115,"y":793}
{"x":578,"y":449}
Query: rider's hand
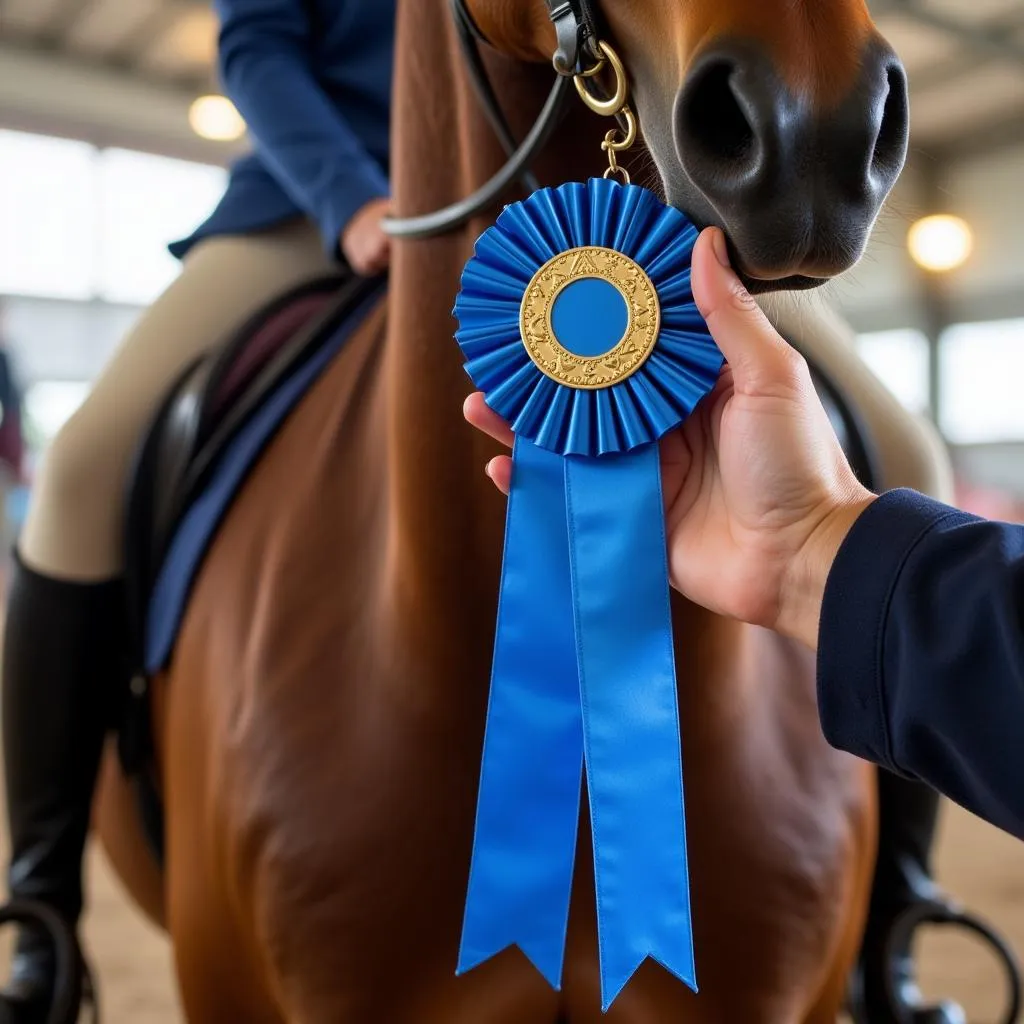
{"x":758,"y":493}
{"x":364,"y":243}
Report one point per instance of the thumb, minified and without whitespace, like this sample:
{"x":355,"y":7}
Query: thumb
{"x":755,"y":351}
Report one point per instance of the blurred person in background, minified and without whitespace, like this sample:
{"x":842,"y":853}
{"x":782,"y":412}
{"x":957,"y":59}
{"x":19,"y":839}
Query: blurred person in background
{"x":312,"y":78}
{"x":12,"y":445}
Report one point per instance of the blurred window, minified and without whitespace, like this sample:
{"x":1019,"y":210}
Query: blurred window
{"x":47,"y":216}
{"x":982,"y":371}
{"x":900,"y":360}
{"x":49,"y":404}
{"x":145,"y":202}
{"x":82,"y":223}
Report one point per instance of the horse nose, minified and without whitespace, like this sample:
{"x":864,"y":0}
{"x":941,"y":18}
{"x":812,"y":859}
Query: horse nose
{"x":768,"y":162}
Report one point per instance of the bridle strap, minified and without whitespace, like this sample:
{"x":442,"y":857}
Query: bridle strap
{"x":576,"y":33}
{"x":470,"y":37}
{"x":440,"y":222}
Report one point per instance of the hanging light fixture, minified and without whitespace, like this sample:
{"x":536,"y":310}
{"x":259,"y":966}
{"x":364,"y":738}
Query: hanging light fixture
{"x":215,"y":117}
{"x":940,"y":243}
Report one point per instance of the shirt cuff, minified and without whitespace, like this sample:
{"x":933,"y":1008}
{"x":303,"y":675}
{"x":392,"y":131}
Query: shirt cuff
{"x":858,"y":594}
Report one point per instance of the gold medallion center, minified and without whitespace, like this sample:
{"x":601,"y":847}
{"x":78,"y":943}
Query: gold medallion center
{"x":642,"y":324}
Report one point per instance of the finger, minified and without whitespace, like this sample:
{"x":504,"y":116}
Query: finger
{"x":755,"y":351}
{"x":381,"y":260}
{"x":499,"y":469}
{"x":359,"y":263}
{"x":481,"y":416}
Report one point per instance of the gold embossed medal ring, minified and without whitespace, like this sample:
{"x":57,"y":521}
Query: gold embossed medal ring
{"x":590,"y":317}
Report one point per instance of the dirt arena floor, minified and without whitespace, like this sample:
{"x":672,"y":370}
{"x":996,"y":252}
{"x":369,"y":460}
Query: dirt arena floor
{"x":982,"y":866}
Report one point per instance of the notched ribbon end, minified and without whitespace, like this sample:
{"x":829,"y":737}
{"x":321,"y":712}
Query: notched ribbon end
{"x":547,"y":962}
{"x":614,"y":980}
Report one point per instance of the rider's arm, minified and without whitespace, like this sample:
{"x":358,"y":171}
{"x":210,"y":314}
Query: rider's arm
{"x":307,"y":143}
{"x":921,"y":651}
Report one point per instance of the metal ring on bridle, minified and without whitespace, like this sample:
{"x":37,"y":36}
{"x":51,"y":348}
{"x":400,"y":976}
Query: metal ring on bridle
{"x":611,"y":171}
{"x":609,"y":107}
{"x":594,"y":69}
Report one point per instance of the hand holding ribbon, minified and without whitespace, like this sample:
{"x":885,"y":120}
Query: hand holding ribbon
{"x":577,"y":321}
{"x":758,"y":493}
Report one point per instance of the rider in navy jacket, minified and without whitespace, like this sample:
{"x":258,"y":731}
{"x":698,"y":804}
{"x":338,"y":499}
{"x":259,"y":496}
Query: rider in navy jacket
{"x":292,"y":67}
{"x":313,"y":81}
{"x":921,"y":651}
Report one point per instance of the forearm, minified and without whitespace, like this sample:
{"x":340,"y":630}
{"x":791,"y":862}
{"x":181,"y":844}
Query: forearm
{"x":304,"y":140}
{"x":921,"y":651}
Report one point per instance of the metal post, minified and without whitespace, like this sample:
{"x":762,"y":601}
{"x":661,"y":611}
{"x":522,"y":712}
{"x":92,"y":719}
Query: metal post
{"x":933,"y":292}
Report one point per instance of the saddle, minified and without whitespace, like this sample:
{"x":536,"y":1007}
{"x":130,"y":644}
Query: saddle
{"x":208,"y":433}
{"x":206,"y":409}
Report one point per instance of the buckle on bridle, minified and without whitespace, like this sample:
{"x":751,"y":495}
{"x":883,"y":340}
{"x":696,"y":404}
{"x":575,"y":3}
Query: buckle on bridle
{"x":575,"y":39}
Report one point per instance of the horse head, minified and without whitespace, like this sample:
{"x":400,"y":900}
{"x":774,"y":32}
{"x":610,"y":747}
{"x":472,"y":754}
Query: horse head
{"x":783,"y":123}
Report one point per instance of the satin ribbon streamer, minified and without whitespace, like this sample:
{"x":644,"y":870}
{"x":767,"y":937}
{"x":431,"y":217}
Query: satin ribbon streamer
{"x":583,"y":673}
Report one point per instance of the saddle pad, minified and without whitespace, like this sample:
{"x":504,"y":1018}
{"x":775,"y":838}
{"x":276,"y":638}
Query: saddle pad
{"x":199,"y":524}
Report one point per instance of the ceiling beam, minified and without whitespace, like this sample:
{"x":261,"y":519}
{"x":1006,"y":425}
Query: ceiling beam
{"x":148,"y":32}
{"x":63,"y":19}
{"x":996,"y":135}
{"x":992,"y":41}
{"x":45,"y":92}
{"x":942,"y":72}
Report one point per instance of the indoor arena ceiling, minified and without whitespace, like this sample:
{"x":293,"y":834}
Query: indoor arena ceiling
{"x":965,"y":58}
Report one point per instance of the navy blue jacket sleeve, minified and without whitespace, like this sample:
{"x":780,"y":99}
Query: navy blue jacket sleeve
{"x":305,"y":141}
{"x":921,"y":651}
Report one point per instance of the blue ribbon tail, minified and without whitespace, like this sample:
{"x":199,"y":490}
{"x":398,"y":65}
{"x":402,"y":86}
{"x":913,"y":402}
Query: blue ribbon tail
{"x":630,"y":715}
{"x":530,"y":783}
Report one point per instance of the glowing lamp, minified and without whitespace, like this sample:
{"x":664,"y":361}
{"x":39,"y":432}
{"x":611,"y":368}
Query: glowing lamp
{"x":940,"y":243}
{"x":215,"y":117}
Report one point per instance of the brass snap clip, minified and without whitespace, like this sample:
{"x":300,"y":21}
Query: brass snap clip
{"x":617,"y":140}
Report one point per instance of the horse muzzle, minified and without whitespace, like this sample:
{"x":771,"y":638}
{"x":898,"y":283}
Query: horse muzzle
{"x":795,"y":188}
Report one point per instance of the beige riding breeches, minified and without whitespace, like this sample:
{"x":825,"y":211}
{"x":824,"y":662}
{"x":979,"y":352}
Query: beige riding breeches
{"x":74,"y":523}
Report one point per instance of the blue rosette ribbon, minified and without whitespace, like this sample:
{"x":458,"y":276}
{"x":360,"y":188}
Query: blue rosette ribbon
{"x":577,"y":321}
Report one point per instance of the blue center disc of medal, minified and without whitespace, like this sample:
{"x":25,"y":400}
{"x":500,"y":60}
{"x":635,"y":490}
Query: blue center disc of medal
{"x":589,"y":317}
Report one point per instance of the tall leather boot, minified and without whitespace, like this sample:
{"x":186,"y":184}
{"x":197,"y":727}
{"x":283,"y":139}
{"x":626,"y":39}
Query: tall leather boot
{"x":884,"y":988}
{"x":63,"y":673}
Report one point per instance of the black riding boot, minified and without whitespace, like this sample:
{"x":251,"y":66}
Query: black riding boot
{"x":908,"y":813}
{"x":63,"y":670}
{"x":904,"y":896}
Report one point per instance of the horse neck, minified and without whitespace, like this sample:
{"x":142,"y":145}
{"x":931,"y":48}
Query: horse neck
{"x":445,"y":514}
{"x":445,"y":517}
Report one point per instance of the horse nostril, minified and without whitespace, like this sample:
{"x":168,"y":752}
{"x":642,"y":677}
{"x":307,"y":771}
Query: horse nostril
{"x":712,"y":117}
{"x":794,"y":175}
{"x":890,"y":145}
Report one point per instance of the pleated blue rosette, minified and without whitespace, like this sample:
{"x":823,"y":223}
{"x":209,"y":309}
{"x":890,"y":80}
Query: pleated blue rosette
{"x":577,"y":322}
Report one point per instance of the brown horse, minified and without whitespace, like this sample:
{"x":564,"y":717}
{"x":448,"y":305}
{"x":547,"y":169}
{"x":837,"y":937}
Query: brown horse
{"x":320,"y":726}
